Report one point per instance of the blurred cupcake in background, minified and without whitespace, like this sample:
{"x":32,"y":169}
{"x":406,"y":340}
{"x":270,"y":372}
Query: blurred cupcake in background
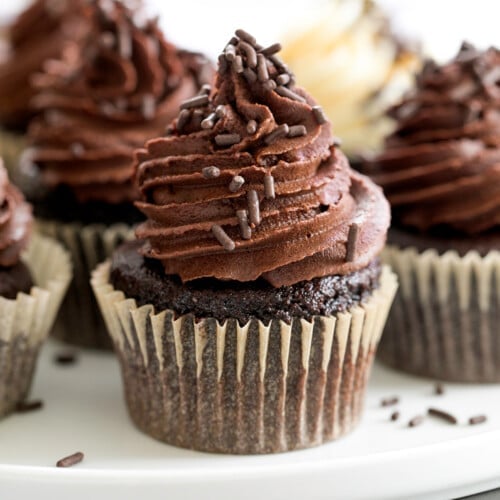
{"x":441,"y":173}
{"x":348,"y":57}
{"x":101,"y":100}
{"x":39,"y":33}
{"x":34,"y":274}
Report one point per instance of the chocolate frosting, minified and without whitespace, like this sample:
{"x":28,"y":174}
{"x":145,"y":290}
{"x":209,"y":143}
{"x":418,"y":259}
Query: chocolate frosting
{"x":38,"y":34}
{"x":104,"y":99}
{"x":256,"y":126}
{"x":15,"y":221}
{"x":441,"y":167}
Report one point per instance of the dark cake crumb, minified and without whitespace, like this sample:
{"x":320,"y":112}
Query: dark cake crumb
{"x":145,"y":280}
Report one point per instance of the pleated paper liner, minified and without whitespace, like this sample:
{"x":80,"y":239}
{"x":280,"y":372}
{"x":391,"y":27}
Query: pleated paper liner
{"x":79,"y":321}
{"x":251,"y":388}
{"x":12,"y":144}
{"x":26,"y":321}
{"x":445,"y":322}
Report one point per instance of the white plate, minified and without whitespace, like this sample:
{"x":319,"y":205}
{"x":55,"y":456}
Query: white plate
{"x":84,"y":410}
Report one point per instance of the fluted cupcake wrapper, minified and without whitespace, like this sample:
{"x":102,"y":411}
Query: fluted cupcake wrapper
{"x":12,"y":144}
{"x":445,"y":322}
{"x":252,"y":388}
{"x":79,"y":321}
{"x":26,"y":321}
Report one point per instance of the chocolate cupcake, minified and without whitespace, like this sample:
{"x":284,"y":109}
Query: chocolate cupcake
{"x":351,"y":59}
{"x":440,"y":171}
{"x":247,"y":315}
{"x":103,"y":99}
{"x":32,"y":285}
{"x":38,"y":34}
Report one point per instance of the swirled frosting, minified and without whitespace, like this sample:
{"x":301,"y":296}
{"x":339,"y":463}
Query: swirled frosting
{"x":350,"y":60}
{"x":250,"y":182}
{"x":38,"y":34}
{"x":15,"y":221}
{"x":441,"y":167}
{"x":104,"y":99}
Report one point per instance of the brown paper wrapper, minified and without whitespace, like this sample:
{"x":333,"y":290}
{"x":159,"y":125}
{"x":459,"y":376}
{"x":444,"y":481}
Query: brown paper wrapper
{"x":12,"y":144}
{"x":445,"y":322}
{"x":26,"y":321}
{"x":252,"y":388}
{"x":79,"y":321}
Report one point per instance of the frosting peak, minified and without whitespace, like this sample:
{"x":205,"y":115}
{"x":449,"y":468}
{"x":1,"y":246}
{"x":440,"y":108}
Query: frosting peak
{"x":441,"y":167}
{"x":249,"y":182}
{"x":105,"y":98}
{"x":15,"y":221}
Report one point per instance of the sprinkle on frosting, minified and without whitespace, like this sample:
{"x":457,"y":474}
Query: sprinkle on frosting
{"x":15,"y":221}
{"x":284,"y":199}
{"x":127,"y":84}
{"x":441,"y":166}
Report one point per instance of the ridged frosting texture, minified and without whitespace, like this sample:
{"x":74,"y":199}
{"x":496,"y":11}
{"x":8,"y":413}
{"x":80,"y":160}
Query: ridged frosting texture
{"x":105,"y":98}
{"x":441,"y":167}
{"x":346,"y":56}
{"x":250,"y":182}
{"x":39,"y":33}
{"x":15,"y":221}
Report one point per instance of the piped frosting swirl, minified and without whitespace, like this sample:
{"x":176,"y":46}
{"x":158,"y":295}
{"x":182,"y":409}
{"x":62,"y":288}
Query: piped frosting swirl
{"x":105,"y":98}
{"x":249,"y":182}
{"x":441,"y":167}
{"x":38,"y":34}
{"x":15,"y":221}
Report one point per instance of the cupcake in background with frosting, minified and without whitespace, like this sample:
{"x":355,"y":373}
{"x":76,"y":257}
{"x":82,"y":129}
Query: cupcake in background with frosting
{"x":247,"y":315}
{"x":347,"y":56}
{"x":39,"y":33}
{"x":440,"y":170}
{"x":103,"y":99}
{"x":34,"y":274}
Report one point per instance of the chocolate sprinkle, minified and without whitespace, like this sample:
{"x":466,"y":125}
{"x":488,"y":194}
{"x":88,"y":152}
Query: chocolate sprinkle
{"x":262,"y":72}
{"x":352,"y":238}
{"x":222,"y":64}
{"x":415,"y":421}
{"x":223,"y":238}
{"x":65,"y":358}
{"x":269,"y":85}
{"x":220,"y":111}
{"x":297,"y":131}
{"x":395,"y":416}
{"x":183,"y":118}
{"x":443,"y":415}
{"x":439,"y":389}
{"x":280,"y":131}
{"x":148,"y":106}
{"x":389,"y":401}
{"x":269,"y":186}
{"x":238,"y":64}
{"x":209,"y":121}
{"x":272,"y":49}
{"x":250,"y":53}
{"x":244,"y":35}
{"x":194,"y":102}
{"x":125,"y":42}
{"x":250,"y":75}
{"x":230,"y":52}
{"x":253,"y":207}
{"x":205,"y":89}
{"x":226,"y":140}
{"x":286,"y":92}
{"x":245,"y":229}
{"x":236,"y":183}
{"x":478,"y":419}
{"x":70,"y":460}
{"x":107,"y":39}
{"x":27,"y":406}
{"x":319,"y":115}
{"x":252,"y":127}
{"x":283,"y":79}
{"x":210,"y":172}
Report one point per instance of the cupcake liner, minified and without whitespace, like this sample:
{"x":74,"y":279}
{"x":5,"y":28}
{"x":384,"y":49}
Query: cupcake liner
{"x":12,"y":144}
{"x":26,"y":321}
{"x":445,"y":322}
{"x":252,"y":388}
{"x":79,"y":321}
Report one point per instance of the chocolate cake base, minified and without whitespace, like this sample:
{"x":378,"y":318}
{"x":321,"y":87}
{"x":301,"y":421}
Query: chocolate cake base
{"x":145,"y":281}
{"x":15,"y":279}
